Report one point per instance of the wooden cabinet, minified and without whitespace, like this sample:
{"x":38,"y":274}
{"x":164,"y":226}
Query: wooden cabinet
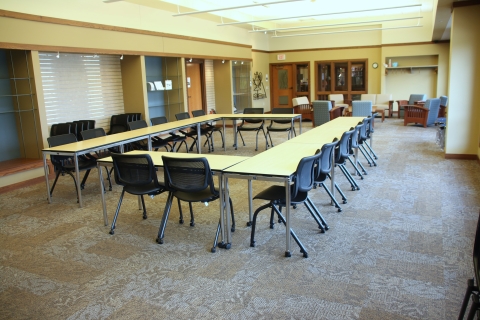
{"x":348,"y":77}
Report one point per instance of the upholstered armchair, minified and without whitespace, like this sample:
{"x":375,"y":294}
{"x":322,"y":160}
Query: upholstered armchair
{"x":443,"y":106}
{"x":337,"y":100}
{"x":425,"y":115}
{"x":321,"y":112}
{"x":414,"y":98}
{"x":302,"y":106}
{"x":384,"y":102}
{"x":361,"y":108}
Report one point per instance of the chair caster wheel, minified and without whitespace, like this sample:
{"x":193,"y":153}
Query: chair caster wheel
{"x":144,"y":217}
{"x":252,"y":244}
{"x":180,"y":221}
{"x":228,"y":246}
{"x":192,"y":224}
{"x":344,"y":201}
{"x":361,"y":178}
{"x":288,"y":254}
{"x":213,"y":250}
{"x":112,"y":232}
{"x":249,"y":223}
{"x":159,"y":241}
{"x":271,"y":226}
{"x":327,"y":227}
{"x":232,"y":229}
{"x":322,"y":230}
{"x":339,"y":210}
{"x":305,"y":255}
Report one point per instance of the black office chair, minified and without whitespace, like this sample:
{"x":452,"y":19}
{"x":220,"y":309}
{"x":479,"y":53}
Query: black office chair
{"x":370,"y":131}
{"x":190,"y":180}
{"x":472,"y":289}
{"x":66,"y":164}
{"x":192,"y":131}
{"x":281,"y":125}
{"x":118,"y":123}
{"x":342,"y":152}
{"x":323,"y":169}
{"x":174,"y":138}
{"x":83,"y":125}
{"x":362,"y":142}
{"x":303,"y":181}
{"x":211,"y":128}
{"x":252,"y":125}
{"x":138,"y":176}
{"x":95,"y":133}
{"x":354,"y":145}
{"x":157,"y":142}
{"x":60,"y":128}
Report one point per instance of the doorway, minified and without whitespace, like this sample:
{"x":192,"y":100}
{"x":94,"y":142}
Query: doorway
{"x":195,"y":85}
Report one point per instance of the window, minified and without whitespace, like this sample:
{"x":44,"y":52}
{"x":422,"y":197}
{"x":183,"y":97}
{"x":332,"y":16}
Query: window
{"x":81,"y":87}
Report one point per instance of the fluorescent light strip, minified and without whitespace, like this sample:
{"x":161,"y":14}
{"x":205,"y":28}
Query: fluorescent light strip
{"x":343,"y":31}
{"x":231,"y":8}
{"x":316,"y":15}
{"x":333,"y":25}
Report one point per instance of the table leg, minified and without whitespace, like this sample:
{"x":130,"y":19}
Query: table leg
{"x":300,"y":129}
{"x":199,"y":137}
{"x":332,"y":174}
{"x":102,"y":192}
{"x":226,"y":196}
{"x":287,"y":218}
{"x":224,"y":136}
{"x":250,"y":203}
{"x":45,"y":167}
{"x":77,"y":174}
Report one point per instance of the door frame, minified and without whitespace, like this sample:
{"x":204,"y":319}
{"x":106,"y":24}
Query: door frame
{"x":295,"y":94}
{"x":201,"y":62}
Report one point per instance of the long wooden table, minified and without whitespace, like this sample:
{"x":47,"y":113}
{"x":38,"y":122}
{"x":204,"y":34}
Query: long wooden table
{"x":279,"y":164}
{"x":218,"y":164}
{"x":118,"y":140}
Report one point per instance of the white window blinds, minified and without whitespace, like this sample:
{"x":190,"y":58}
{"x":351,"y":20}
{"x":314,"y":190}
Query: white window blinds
{"x":81,"y":87}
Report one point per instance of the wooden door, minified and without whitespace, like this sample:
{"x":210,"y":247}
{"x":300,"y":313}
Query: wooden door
{"x":194,"y":87}
{"x":282,"y":86}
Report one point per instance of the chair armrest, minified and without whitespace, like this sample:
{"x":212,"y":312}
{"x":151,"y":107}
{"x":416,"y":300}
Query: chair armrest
{"x":336,"y":112}
{"x":419,"y":102}
{"x":348,"y":101}
{"x":416,"y":107}
{"x":402,"y":102}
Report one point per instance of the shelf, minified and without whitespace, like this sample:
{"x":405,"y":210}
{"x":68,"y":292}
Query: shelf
{"x":411,"y":68}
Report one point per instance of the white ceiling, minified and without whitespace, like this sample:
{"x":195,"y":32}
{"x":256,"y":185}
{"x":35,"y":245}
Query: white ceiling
{"x":315,"y":15}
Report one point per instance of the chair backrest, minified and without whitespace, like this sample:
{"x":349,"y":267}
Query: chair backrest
{"x":187,"y":174}
{"x":282,"y":111}
{"x":182,"y":116}
{"x":355,"y":137}
{"x":338,"y":98}
{"x":118,"y":123}
{"x":369,"y":97}
{"x":325,"y":162}
{"x":253,"y":111}
{"x":158,"y":120}
{"x":433,"y":105}
{"x":93,"y":133}
{"x":139,"y":124}
{"x":361,"y":108}
{"x":134,"y":169}
{"x":135,"y":116}
{"x":342,"y":150}
{"x":59,"y":129}
{"x":443,"y":101}
{"x":476,"y":252}
{"x":300,"y":101}
{"x":383,"y":99}
{"x":304,"y":176}
{"x":416,"y":97}
{"x":321,"y":111}
{"x":198,"y":113}
{"x":59,"y":140}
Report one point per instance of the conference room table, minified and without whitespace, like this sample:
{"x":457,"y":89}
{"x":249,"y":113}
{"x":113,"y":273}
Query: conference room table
{"x":217,"y":163}
{"x":80,"y":148}
{"x":279,"y":164}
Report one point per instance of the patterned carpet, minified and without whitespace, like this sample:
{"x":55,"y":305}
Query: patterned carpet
{"x":401,"y":248}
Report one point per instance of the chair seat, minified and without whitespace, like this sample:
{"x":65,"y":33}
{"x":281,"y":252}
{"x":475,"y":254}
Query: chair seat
{"x":149,"y":189}
{"x":273,"y":193}
{"x":202,"y":196}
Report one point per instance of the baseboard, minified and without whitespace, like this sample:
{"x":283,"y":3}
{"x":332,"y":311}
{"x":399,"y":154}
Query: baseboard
{"x":22,"y":184}
{"x":461,"y":156}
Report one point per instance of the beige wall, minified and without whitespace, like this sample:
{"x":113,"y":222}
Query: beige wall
{"x":463,"y":123}
{"x":260,"y":64}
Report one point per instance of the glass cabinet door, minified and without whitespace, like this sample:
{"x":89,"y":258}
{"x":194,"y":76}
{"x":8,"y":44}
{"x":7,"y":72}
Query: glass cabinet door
{"x":341,"y":77}
{"x":302,"y":77}
{"x":358,"y":76}
{"x":324,"y":77}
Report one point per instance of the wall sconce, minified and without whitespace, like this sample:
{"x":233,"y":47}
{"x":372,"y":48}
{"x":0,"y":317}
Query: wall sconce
{"x":121,"y":58}
{"x":235,"y":62}
{"x":223,"y":61}
{"x":242,"y":62}
{"x":190,"y":60}
{"x":58,"y":55}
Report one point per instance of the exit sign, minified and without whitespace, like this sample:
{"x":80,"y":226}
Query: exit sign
{"x":281,"y":57}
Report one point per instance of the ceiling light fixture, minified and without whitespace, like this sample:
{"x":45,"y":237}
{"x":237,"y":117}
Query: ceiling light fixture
{"x":227,"y":8}
{"x":343,"y":31}
{"x":317,"y":15}
{"x":333,"y":24}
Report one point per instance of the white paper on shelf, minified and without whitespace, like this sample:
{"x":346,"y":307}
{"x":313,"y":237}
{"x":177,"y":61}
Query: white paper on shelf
{"x":168,"y":84}
{"x":150,"y":86}
{"x":159,"y":85}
